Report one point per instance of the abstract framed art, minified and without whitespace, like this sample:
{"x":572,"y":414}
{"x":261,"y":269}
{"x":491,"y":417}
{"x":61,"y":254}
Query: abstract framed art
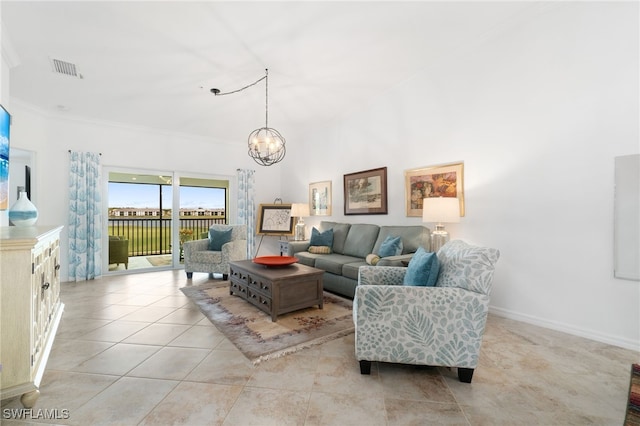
{"x":366,"y":192}
{"x":274,"y":219}
{"x":320,"y":198}
{"x":445,"y":180}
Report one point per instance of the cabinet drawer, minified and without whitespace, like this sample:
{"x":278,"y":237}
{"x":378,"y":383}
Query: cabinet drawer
{"x":238,"y":275}
{"x":238,"y":289}
{"x":260,"y":300}
{"x":260,"y":284}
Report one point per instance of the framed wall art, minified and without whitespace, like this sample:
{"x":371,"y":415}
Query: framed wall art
{"x":366,"y":192}
{"x":320,"y":198}
{"x":446,"y":180}
{"x":274,"y":219}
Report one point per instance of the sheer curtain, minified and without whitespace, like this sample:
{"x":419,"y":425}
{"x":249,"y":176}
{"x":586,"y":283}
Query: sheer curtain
{"x":246,"y":207}
{"x":85,"y":216}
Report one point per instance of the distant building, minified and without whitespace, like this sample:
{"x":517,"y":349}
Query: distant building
{"x":128,"y":212}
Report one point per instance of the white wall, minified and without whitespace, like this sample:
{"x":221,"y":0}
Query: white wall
{"x":537,"y":113}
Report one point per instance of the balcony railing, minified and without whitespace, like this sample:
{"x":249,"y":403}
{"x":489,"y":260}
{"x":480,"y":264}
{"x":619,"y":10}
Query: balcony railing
{"x":150,"y":236}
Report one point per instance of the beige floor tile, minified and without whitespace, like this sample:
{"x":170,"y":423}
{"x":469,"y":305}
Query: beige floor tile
{"x":265,"y":407}
{"x":194,"y":404}
{"x":408,"y":412}
{"x":173,"y":301}
{"x":157,"y":334}
{"x":69,"y":390}
{"x":126,"y":402}
{"x":149,"y":314}
{"x":67,"y":354}
{"x":170,"y":363}
{"x":197,"y":336}
{"x":415,"y":383}
{"x":118,"y":359}
{"x":336,"y":409}
{"x":141,"y":299}
{"x":223,"y":367}
{"x":337,"y":375}
{"x":188,"y":316}
{"x":292,"y":372}
{"x":112,"y":312}
{"x":72,"y":328}
{"x":115,"y":331}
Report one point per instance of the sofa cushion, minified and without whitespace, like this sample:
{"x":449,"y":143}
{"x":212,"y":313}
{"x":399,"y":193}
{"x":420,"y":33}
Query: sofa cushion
{"x":467,"y":266}
{"x":324,"y":238}
{"x":333,"y":262}
{"x":340,"y":231}
{"x":307,"y":258}
{"x":422,"y":270}
{"x":392,"y":246}
{"x":218,"y":238}
{"x":350,"y":270}
{"x":360,"y":240}
{"x":412,"y":237}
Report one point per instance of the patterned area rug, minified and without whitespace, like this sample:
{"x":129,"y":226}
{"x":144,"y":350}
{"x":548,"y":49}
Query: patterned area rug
{"x":252,"y":330}
{"x":633,"y":408}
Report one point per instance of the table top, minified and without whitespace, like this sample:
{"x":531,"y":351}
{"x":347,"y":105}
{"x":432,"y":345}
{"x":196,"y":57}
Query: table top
{"x":276,"y":272}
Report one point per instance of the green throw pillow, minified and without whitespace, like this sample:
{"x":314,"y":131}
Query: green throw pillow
{"x":423,"y":269}
{"x":391,"y":246}
{"x":218,"y":238}
{"x":321,"y":238}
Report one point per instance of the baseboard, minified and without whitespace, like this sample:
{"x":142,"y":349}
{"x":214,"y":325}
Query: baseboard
{"x":566,"y":328}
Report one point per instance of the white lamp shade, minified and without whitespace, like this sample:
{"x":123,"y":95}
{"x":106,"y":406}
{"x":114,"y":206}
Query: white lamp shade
{"x":441,"y":210}
{"x":300,"y":210}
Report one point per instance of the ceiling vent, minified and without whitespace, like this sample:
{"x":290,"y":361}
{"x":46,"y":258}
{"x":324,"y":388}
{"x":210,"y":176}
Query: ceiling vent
{"x":66,"y":68}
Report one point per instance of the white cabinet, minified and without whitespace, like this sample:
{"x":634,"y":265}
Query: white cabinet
{"x":30,"y":307}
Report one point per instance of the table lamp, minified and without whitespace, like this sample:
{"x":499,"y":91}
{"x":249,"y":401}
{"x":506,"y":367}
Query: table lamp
{"x":299,"y":210}
{"x":440,"y":210}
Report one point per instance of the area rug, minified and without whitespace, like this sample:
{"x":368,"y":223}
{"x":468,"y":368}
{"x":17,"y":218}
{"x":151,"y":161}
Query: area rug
{"x":252,"y":330}
{"x":159,"y":260}
{"x":633,"y":406}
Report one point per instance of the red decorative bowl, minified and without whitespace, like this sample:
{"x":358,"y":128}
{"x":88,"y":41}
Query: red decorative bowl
{"x":275,"y":260}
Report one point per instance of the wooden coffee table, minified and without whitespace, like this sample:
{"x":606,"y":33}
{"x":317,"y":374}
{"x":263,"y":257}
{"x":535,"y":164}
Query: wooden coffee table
{"x":276,"y":290}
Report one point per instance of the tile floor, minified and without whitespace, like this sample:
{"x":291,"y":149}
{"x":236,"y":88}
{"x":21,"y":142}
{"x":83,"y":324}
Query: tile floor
{"x":132,"y":350}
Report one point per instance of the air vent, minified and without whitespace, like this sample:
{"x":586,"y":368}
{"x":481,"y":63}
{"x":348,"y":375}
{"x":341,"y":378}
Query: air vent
{"x":66,"y":68}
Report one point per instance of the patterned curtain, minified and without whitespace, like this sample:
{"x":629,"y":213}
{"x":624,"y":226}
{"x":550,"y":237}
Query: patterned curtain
{"x":85,"y":217}
{"x":246,"y":207}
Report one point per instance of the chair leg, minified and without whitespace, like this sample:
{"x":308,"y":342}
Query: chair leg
{"x":225,"y":277}
{"x":189,"y":275}
{"x":465,"y":374}
{"x":365,"y":367}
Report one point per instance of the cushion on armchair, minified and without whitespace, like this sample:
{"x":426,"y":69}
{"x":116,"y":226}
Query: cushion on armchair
{"x":218,"y":238}
{"x":423,"y":269}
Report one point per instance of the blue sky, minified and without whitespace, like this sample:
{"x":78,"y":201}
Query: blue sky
{"x":138,"y":195}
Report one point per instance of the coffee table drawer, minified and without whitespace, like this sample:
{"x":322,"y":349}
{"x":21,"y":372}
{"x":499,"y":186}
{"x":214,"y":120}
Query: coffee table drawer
{"x":258,"y":299}
{"x":238,"y":289}
{"x":259,"y":284}
{"x":238,"y":275}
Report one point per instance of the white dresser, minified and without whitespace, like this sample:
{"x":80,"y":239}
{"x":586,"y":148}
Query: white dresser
{"x":30,"y":307}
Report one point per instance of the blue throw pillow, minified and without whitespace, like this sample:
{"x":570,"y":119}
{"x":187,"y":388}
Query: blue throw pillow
{"x":423,"y":269}
{"x":218,"y":238}
{"x":321,"y":238}
{"x":391,"y":246}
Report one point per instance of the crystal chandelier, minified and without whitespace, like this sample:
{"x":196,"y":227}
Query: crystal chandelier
{"x":266,"y":145}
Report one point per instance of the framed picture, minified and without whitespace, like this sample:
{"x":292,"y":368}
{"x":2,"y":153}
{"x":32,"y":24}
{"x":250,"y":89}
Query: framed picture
{"x":366,"y":192}
{"x":445,"y":180}
{"x":275,"y":219}
{"x":5,"y":122}
{"x":320,"y":198}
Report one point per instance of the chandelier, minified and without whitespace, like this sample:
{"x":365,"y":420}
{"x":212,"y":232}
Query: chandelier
{"x":266,"y":145}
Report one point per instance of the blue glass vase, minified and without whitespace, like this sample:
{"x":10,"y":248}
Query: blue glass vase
{"x":23,"y":212}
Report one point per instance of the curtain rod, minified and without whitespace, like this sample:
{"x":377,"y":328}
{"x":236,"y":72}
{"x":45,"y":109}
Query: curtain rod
{"x":98,"y":153}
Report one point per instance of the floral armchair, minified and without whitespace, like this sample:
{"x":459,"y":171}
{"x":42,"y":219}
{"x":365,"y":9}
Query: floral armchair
{"x":437,"y":326}
{"x":198,"y":257}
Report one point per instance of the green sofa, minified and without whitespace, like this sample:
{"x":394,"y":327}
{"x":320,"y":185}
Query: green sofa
{"x":351,"y":245}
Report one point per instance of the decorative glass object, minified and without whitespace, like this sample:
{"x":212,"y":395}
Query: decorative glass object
{"x":23,"y":212}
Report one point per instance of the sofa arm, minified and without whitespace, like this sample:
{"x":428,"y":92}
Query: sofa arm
{"x":381,"y":275}
{"x":296,"y":246}
{"x":234,"y":250}
{"x":419,"y":325}
{"x":400,"y":260}
{"x":194,"y":246}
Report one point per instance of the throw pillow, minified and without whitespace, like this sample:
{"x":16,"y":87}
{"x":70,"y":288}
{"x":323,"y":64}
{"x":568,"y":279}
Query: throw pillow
{"x":218,"y":238}
{"x":391,"y":246}
{"x":321,"y":238}
{"x":372,"y":259}
{"x":320,"y":249}
{"x":423,"y":269}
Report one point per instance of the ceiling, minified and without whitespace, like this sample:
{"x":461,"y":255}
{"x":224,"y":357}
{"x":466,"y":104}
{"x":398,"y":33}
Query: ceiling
{"x":152,"y":64}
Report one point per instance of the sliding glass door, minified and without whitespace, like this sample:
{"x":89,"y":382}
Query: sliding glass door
{"x":151,"y":214}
